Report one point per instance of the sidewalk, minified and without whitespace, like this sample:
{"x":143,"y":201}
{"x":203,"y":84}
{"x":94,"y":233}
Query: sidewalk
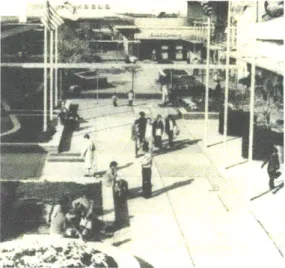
{"x":246,"y":182}
{"x":196,"y":217}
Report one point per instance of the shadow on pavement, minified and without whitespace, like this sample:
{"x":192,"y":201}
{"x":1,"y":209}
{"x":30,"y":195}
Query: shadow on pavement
{"x":117,"y":244}
{"x":137,"y":191}
{"x":172,"y":187}
{"x":274,"y":191}
{"x":178,"y":145}
{"x":143,"y":264}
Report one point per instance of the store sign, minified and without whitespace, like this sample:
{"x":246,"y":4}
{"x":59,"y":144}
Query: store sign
{"x":166,"y":35}
{"x":93,"y":6}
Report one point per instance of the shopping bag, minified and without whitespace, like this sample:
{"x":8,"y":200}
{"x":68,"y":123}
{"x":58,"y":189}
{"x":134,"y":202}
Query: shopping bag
{"x":176,"y":130}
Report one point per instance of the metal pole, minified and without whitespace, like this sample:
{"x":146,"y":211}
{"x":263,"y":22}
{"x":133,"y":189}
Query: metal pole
{"x":207,"y":86}
{"x":51,"y":76}
{"x":251,"y":118}
{"x":227,"y":82}
{"x":60,"y":84}
{"x":45,"y":80}
{"x":133,"y":76}
{"x":252,"y":95}
{"x":56,"y":69}
{"x":97,"y":86}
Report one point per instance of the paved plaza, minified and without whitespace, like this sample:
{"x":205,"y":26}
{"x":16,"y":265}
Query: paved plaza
{"x":200,"y":214}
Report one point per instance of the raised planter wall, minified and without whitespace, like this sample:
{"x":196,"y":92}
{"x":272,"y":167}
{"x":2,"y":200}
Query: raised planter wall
{"x":263,"y":139}
{"x":238,"y":123}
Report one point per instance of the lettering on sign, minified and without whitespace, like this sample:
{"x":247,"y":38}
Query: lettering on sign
{"x":168,"y":35}
{"x":93,"y":6}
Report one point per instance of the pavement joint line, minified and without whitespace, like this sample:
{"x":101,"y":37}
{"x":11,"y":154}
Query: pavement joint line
{"x":224,"y":205}
{"x":215,"y":188}
{"x":267,"y":233}
{"x":176,"y":219}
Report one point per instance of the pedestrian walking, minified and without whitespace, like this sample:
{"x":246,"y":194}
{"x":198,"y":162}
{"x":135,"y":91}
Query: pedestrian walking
{"x":140,"y":125}
{"x":131,"y":97}
{"x":195,"y":61}
{"x":170,"y":126}
{"x":88,"y":153}
{"x":115,"y":100}
{"x":272,"y":167}
{"x":164,"y":94}
{"x":149,"y":134}
{"x":218,"y":90}
{"x":146,"y":163}
{"x":158,"y":128}
{"x":108,"y":184}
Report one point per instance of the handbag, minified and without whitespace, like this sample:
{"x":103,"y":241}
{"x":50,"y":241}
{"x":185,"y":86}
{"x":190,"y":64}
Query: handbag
{"x":176,"y":130}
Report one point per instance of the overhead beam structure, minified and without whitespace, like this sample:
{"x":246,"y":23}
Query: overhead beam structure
{"x":176,"y":66}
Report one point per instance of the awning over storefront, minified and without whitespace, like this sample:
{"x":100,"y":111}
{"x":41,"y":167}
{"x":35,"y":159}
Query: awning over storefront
{"x":187,"y":34}
{"x":270,"y":30}
{"x":262,"y":62}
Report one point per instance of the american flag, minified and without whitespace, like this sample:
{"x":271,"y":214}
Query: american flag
{"x":207,"y":8}
{"x":50,"y":18}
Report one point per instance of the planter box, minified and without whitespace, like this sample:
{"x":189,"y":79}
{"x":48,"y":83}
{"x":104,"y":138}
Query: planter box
{"x":263,"y":139}
{"x":238,"y":123}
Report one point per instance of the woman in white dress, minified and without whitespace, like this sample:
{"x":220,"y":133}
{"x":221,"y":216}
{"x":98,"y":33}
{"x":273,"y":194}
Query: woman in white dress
{"x":108,"y":194}
{"x":149,"y":134}
{"x":89,"y":154}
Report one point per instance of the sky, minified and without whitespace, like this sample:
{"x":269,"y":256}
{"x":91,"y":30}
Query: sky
{"x":16,"y":7}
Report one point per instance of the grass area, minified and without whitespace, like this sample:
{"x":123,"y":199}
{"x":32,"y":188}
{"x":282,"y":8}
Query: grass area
{"x":30,"y":131}
{"x":6,"y":124}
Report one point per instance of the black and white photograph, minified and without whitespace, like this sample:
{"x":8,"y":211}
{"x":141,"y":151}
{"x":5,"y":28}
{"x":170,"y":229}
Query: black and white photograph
{"x":142,"y":134}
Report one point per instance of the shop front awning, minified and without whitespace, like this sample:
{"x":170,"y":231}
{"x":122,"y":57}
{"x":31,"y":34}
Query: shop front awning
{"x":270,"y":30}
{"x":183,"y":33}
{"x":262,"y":62}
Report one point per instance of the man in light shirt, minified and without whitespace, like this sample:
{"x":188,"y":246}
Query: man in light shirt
{"x":146,"y":163}
{"x":131,"y":97}
{"x":170,"y":125}
{"x":149,"y":133}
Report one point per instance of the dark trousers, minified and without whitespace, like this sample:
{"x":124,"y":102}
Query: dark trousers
{"x":170,"y":137}
{"x":272,"y":176}
{"x":115,"y":103}
{"x":139,"y":143}
{"x":157,"y":141}
{"x":130,"y":103}
{"x":146,"y":182}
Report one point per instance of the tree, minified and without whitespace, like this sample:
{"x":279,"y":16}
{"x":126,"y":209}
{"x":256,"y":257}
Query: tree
{"x":73,"y":46}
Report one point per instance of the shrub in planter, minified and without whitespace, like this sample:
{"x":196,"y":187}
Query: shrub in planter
{"x":263,"y":140}
{"x":238,"y":122}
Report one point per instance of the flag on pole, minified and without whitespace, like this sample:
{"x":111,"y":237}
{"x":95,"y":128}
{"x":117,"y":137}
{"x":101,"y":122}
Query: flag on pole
{"x":50,"y":18}
{"x":207,"y":8}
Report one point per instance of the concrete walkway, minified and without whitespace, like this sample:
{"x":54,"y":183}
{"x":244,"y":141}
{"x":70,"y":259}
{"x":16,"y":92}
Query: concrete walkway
{"x":196,"y":217}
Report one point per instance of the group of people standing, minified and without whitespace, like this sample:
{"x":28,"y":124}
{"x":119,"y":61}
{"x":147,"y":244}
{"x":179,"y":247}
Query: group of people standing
{"x":148,"y":134}
{"x":77,"y":218}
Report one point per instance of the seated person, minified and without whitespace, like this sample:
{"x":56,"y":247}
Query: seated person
{"x":82,"y":215}
{"x":58,"y":221}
